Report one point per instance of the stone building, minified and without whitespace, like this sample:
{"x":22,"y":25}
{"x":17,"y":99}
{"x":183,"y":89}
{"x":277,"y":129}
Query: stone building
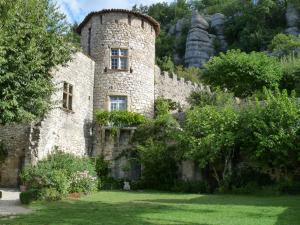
{"x":116,"y":71}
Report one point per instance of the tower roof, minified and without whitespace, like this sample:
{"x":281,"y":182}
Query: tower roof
{"x":151,"y":20}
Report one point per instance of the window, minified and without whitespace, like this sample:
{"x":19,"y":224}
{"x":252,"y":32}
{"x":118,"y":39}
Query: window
{"x":119,"y":59}
{"x":68,"y":96}
{"x":129,"y":19}
{"x":89,"y":41}
{"x":118,"y":103}
{"x":143,"y":24}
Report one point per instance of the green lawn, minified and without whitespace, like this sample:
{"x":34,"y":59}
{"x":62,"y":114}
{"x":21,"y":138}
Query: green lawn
{"x":139,"y":208}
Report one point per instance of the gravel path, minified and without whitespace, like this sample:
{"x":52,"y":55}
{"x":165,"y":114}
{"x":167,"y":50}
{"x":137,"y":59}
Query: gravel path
{"x":10,"y":203}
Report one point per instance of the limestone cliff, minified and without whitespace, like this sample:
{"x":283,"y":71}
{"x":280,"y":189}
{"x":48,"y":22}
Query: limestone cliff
{"x":292,"y":19}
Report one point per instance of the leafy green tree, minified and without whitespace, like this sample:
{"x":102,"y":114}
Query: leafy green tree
{"x":243,"y":73}
{"x":156,"y":148}
{"x":291,"y":73}
{"x":210,"y":137}
{"x":269,"y":133}
{"x":283,"y":45}
{"x":251,"y":27}
{"x":33,"y":40}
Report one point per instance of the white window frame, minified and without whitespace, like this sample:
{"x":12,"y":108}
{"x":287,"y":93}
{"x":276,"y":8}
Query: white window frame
{"x":118,"y":100}
{"x":119,"y":56}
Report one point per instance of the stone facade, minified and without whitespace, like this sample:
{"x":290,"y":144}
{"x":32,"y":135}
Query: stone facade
{"x":169,"y":86}
{"x":68,"y":130}
{"x":121,"y":30}
{"x":93,"y":82}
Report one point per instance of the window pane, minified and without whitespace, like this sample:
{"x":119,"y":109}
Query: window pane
{"x":114,"y":63}
{"x":123,"y":52}
{"x":115,"y":52}
{"x":65,"y":87}
{"x":123,"y":63}
{"x":70,"y":103}
{"x":65,"y":97}
{"x":118,"y":103}
{"x":70,"y":89}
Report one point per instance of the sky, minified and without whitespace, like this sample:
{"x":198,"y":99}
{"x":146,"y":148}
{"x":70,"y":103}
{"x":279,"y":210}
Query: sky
{"x":76,"y":10}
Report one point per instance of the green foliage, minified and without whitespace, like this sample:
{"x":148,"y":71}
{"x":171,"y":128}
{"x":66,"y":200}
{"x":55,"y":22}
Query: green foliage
{"x":210,"y":137}
{"x":291,"y":73}
{"x":243,"y":73}
{"x":192,"y":74}
{"x":269,"y":133}
{"x":33,"y":40}
{"x":284,"y":45}
{"x":102,"y":167}
{"x":191,"y":187}
{"x":119,"y":118}
{"x":215,"y":98}
{"x":83,"y":182}
{"x":50,"y":194}
{"x":28,"y":196}
{"x":3,"y":152}
{"x":163,"y":106}
{"x":252,"y":27}
{"x":155,"y":147}
{"x":166,"y":64}
{"x":62,"y":172}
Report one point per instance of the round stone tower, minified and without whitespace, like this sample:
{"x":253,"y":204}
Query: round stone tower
{"x":122,"y":44}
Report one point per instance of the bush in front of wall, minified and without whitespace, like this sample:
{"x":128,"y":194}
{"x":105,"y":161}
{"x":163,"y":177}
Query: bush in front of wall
{"x":60,"y":174}
{"x":29,"y":196}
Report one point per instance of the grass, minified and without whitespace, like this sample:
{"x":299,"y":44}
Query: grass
{"x":121,"y":208}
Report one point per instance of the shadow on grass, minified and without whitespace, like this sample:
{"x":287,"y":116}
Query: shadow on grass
{"x":174,"y":209}
{"x":290,"y":216}
{"x":97,"y":213}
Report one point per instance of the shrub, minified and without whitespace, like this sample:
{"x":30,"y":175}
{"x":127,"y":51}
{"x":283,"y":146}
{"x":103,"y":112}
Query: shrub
{"x":82,"y":182}
{"x":28,"y":196}
{"x":111,"y":184}
{"x":243,"y":73}
{"x":119,"y":118}
{"x":283,"y":45}
{"x":191,"y":187}
{"x":50,"y":194}
{"x":60,"y":172}
{"x":101,"y":167}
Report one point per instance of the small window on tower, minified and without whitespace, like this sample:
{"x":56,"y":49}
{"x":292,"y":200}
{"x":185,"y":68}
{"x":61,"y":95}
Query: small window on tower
{"x":129,"y":19}
{"x":118,"y":103}
{"x":143,"y":24}
{"x":119,"y":59}
{"x":68,"y":96}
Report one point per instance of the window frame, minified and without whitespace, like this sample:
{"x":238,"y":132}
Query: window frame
{"x":118,"y":103}
{"x":68,"y":94}
{"x":119,"y":56}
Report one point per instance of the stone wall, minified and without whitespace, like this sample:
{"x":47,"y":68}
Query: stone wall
{"x":16,"y":139}
{"x":69,"y":130}
{"x":112,"y":30}
{"x":169,"y":86}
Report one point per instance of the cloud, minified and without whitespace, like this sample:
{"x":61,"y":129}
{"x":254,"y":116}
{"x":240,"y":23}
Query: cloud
{"x":76,"y":10}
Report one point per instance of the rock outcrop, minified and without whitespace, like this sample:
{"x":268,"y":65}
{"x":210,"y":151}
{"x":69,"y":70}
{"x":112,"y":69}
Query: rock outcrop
{"x":199,"y":45}
{"x":292,"y":19}
{"x":217,"y":23}
{"x":177,"y":31}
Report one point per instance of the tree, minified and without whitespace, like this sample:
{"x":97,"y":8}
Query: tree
{"x":269,"y":133}
{"x":251,"y":27}
{"x":283,"y":45}
{"x":243,"y":73}
{"x":33,"y":40}
{"x":210,"y":137}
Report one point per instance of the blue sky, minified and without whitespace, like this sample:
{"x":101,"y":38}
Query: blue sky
{"x":76,"y":10}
